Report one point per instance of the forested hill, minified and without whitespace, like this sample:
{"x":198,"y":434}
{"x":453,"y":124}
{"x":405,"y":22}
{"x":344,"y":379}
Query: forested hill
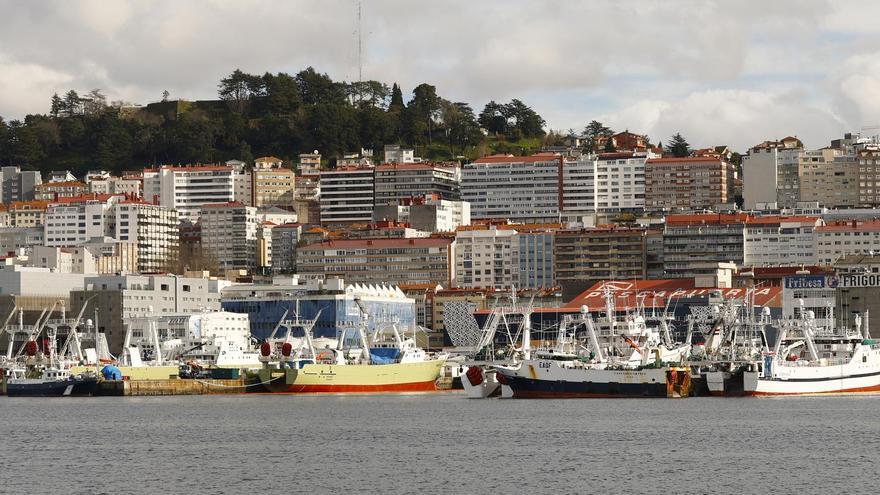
{"x":254,"y":115}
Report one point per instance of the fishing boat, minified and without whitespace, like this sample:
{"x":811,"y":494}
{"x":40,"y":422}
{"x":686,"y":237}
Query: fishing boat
{"x":381,"y":364}
{"x":155,"y":347}
{"x":480,"y":381}
{"x":571,"y":370}
{"x":811,"y":360}
{"x":44,"y":376}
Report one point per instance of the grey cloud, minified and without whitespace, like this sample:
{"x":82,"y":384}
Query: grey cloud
{"x":675,"y":56}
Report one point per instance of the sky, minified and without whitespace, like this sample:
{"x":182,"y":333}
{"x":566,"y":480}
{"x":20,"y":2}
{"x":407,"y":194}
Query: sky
{"x":719,"y":72}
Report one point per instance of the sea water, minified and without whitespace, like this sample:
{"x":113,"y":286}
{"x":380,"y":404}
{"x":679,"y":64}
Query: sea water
{"x":437,"y":443}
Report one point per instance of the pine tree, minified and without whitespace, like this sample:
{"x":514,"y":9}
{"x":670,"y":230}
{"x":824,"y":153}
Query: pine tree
{"x":57,"y":105}
{"x":678,"y":146}
{"x":396,"y":98}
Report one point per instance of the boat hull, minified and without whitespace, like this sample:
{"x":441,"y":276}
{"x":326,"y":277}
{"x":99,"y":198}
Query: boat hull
{"x":59,"y":388}
{"x":549,"y":379}
{"x":162,"y":372}
{"x":756,"y":386}
{"x":354,"y":378}
{"x":481,"y":383}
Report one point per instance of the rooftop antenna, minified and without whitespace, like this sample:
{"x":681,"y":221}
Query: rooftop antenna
{"x":360,"y":51}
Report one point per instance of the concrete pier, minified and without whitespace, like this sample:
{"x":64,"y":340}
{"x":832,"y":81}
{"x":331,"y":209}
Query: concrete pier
{"x":171,"y":387}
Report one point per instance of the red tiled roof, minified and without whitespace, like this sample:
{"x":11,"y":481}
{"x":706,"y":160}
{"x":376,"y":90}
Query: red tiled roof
{"x":85,"y":197}
{"x":851,"y":226}
{"x":707,"y":219}
{"x":419,"y":242}
{"x":774,"y":219}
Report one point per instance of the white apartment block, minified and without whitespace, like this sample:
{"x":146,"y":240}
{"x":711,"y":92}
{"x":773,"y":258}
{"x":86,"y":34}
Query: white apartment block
{"x":578,"y":187}
{"x":130,"y":186}
{"x":775,"y":240}
{"x":187,"y":189}
{"x":347,"y":195}
{"x":620,"y":182}
{"x":152,"y":228}
{"x":487,"y":258}
{"x":838,"y":239}
{"x":426,"y":214}
{"x":523,"y":189}
{"x":394,"y":153}
{"x":229,"y":235}
{"x":70,"y":223}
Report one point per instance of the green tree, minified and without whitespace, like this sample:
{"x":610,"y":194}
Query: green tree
{"x":526,"y":120}
{"x":609,"y":145}
{"x":592,"y":132}
{"x":424,"y":107}
{"x":57,"y":105}
{"x":678,"y":146}
{"x":493,"y":118}
{"x":396,"y":99}
{"x":282,"y":93}
{"x":318,"y":88}
{"x":72,"y":103}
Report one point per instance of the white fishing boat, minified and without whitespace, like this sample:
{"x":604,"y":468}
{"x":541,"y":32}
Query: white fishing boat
{"x":811,"y":360}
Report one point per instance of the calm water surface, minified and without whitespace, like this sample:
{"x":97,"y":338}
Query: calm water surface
{"x":438,"y":443}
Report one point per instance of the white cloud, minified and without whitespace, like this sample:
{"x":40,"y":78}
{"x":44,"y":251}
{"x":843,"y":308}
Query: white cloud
{"x":737,"y":69}
{"x":737,"y":118}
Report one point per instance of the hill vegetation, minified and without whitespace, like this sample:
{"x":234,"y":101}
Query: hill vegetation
{"x":279,"y":114}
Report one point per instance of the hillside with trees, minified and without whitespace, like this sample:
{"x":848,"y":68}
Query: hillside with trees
{"x":278,"y":114}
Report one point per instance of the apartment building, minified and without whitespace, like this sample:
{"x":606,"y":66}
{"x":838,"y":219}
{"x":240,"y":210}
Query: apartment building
{"x":128,"y":185}
{"x":696,"y":244}
{"x":829,"y":177}
{"x":26,"y":214}
{"x":581,"y":257}
{"x":780,"y":240}
{"x":347,"y":195}
{"x":578,"y":187}
{"x":522,"y":189}
{"x":51,"y":191}
{"x":844,"y":238}
{"x":18,"y":185}
{"x":869,"y":177}
{"x":691,"y":183}
{"x":152,"y":228}
{"x":310,"y":163}
{"x":426,"y":213}
{"x":380,"y":261}
{"x":394,"y":153}
{"x":397,"y":181}
{"x":535,"y":256}
{"x":770,"y":173}
{"x":73,"y":221}
{"x":285,"y":240}
{"x":229,"y":235}
{"x":620,"y":182}
{"x":273,"y":185}
{"x":486,"y":257}
{"x":242,"y":183}
{"x":187,"y":189}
